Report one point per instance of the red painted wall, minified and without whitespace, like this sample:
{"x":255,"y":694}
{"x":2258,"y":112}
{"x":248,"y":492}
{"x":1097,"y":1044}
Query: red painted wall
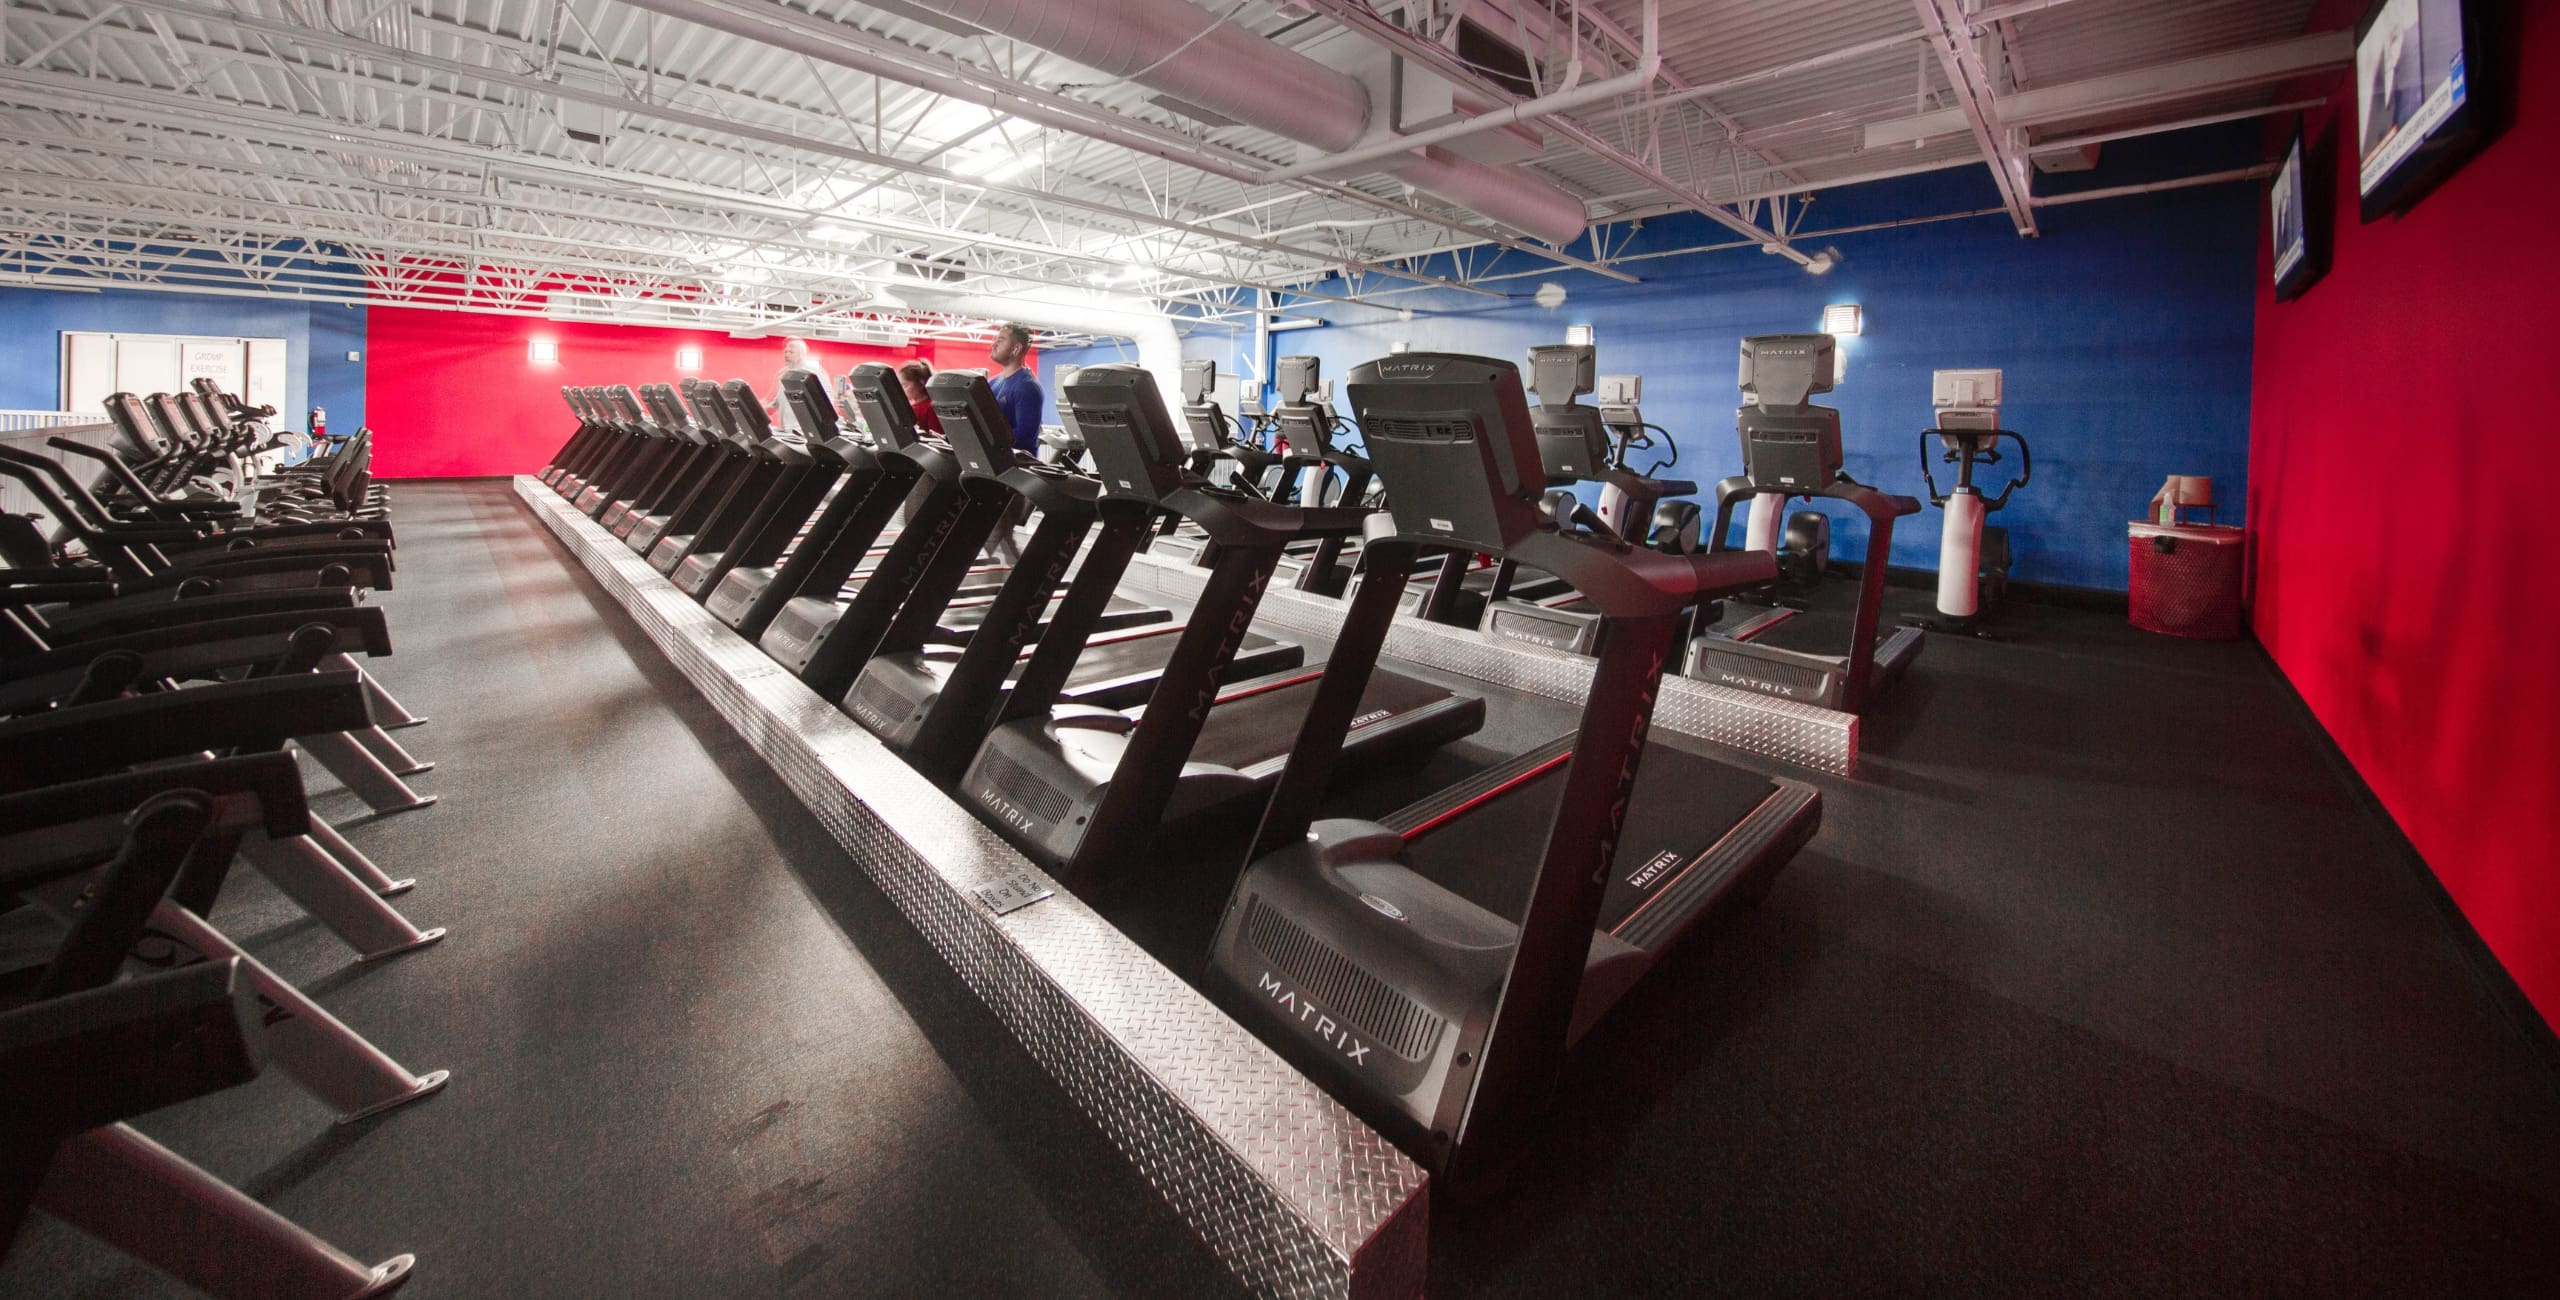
{"x":454,"y":395}
{"x":2401,"y":478}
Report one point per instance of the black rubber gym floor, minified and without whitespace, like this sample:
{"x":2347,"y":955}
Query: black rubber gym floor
{"x":2102,"y":978}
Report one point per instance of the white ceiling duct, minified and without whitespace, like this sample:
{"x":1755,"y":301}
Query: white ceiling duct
{"x":1180,"y":49}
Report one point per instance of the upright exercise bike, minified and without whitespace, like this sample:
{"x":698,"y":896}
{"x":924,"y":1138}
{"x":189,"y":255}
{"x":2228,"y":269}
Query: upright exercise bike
{"x":1973,"y":556}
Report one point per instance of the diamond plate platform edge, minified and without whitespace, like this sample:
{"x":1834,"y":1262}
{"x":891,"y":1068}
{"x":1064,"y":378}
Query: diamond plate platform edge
{"x":1293,"y":1194}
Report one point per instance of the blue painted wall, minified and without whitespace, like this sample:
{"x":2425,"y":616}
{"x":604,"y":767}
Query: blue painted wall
{"x":2124,"y":331}
{"x":32,"y":322}
{"x":335,"y":382}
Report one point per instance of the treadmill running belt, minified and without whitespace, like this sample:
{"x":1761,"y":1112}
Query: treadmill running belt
{"x":1819,"y":631}
{"x":1682,"y":804}
{"x":1249,"y":730}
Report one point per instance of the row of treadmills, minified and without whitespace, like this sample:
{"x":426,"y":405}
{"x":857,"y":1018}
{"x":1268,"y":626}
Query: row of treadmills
{"x":1785,"y":642}
{"x":1097,"y":733}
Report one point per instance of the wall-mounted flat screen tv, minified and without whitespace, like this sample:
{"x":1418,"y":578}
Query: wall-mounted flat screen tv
{"x":2298,"y":214}
{"x":2419,"y":109}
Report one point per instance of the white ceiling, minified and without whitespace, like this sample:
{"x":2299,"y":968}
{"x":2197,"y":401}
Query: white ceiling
{"x":213,"y":144}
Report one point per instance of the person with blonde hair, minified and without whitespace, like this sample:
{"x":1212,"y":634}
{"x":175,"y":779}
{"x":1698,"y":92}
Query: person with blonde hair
{"x":796,"y":355}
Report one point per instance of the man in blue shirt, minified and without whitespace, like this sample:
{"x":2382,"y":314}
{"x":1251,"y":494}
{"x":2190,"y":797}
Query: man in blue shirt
{"x":1017,"y":390}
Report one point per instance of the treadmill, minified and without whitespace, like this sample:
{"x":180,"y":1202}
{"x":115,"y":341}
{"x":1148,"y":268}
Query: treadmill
{"x":709,"y":489}
{"x":647,"y":514}
{"x":739,"y":598}
{"x":1360,"y":950}
{"x":1084,"y":791}
{"x":934,"y":703}
{"x":612,"y":470}
{"x":1213,"y":446}
{"x":1573,"y":447}
{"x":1305,"y":420}
{"x":772,"y":513}
{"x":1791,"y":447}
{"x":754,"y":466}
{"x":592,"y":433}
{"x":786,"y":607}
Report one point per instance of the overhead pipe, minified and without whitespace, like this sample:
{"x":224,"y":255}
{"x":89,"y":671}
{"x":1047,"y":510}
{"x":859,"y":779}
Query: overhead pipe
{"x":1179,"y":49}
{"x":1359,"y":17}
{"x":1648,"y":66}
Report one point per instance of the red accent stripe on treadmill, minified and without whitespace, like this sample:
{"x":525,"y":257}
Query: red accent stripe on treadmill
{"x":1513,"y":784}
{"x":1265,"y":688}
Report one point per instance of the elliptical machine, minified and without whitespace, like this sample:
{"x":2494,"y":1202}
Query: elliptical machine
{"x":1973,"y":557}
{"x":1673,"y":526}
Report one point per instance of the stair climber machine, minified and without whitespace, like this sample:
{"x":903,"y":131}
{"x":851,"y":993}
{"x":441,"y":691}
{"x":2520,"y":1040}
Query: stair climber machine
{"x":1576,"y":446}
{"x":1973,"y":557}
{"x":1366,"y":952}
{"x":934,"y":703}
{"x":1084,"y":791}
{"x":1318,"y":471}
{"x":1790,"y":448}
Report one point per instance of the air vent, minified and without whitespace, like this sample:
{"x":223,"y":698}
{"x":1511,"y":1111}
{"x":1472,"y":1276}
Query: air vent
{"x":942,"y":270}
{"x":882,"y":697}
{"x":1410,"y":428}
{"x":1016,"y":783}
{"x":1390,"y":1019}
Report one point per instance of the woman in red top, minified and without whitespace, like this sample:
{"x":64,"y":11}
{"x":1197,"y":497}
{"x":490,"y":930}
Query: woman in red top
{"x":912,"y":376}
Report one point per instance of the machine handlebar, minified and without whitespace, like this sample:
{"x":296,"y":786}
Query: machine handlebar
{"x":1988,"y":456}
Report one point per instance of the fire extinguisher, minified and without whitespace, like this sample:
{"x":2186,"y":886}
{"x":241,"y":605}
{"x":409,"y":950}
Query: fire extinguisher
{"x":319,"y":423}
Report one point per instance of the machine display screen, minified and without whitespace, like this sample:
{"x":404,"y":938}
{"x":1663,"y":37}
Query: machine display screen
{"x":2293,"y":247}
{"x":2413,"y":87}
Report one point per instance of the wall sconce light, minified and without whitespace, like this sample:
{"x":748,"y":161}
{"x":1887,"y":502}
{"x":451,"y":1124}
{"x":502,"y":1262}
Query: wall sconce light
{"x":1578,"y":335}
{"x":1843,"y":320}
{"x":1399,"y":347}
{"x":543,"y":352}
{"x":688,"y":361}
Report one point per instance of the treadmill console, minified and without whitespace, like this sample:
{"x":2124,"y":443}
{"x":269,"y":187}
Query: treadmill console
{"x":1788,"y":443}
{"x":1127,"y":432}
{"x":885,"y":412}
{"x":810,"y":407}
{"x":1452,"y":436}
{"x":971,"y":421}
{"x":747,"y":409}
{"x":1571,"y":443}
{"x":709,"y":413}
{"x":1200,"y":413}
